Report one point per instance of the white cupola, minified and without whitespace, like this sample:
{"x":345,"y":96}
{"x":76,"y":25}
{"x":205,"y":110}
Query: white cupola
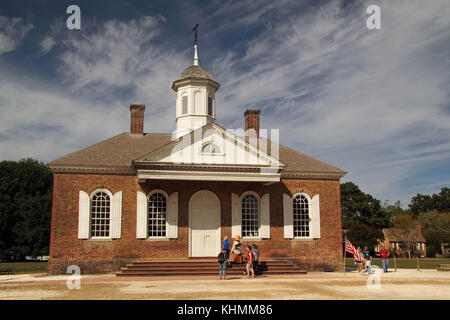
{"x":195,"y":104}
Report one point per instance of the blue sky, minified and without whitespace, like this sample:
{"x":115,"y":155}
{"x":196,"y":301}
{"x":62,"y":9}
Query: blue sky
{"x":372,"y":102}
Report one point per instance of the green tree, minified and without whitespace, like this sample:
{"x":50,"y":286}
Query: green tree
{"x":423,"y":202}
{"x":25,"y":208}
{"x":359,"y":207}
{"x":361,"y":235}
{"x":435,"y":229}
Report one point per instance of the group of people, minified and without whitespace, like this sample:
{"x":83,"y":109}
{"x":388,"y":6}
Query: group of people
{"x":236,"y":255}
{"x":365,"y":265}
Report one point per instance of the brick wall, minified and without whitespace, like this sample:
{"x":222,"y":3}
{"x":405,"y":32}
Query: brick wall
{"x":95,"y":256}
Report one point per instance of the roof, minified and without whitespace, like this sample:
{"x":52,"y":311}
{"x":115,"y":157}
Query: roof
{"x":398,"y":234}
{"x":121,"y":150}
{"x":118,"y":151}
{"x":196,"y":72}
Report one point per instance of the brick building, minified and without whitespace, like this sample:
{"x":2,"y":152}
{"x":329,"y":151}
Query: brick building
{"x":404,"y":242}
{"x":144,"y":196}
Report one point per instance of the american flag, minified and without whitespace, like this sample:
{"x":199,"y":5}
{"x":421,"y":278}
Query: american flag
{"x":351,"y":249}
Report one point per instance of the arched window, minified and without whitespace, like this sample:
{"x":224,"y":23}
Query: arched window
{"x":211,"y":148}
{"x":184,"y":109}
{"x":250,"y":216}
{"x":301,"y":216}
{"x":210,"y":106}
{"x":157,"y":213}
{"x":100,"y":214}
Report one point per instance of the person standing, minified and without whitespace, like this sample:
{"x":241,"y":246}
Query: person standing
{"x":255,"y":252}
{"x":236,"y":250}
{"x":368,"y":266}
{"x":226,"y":246}
{"x":366,"y":253}
{"x":359,"y":260}
{"x":249,"y":265}
{"x":223,"y":264}
{"x":384,"y":255}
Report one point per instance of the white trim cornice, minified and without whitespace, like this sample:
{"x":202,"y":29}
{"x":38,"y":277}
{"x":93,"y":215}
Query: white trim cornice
{"x":208,"y":175}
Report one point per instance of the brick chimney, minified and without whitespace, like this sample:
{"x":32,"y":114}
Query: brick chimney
{"x":137,"y":118}
{"x":252,"y":121}
{"x":419,"y":226}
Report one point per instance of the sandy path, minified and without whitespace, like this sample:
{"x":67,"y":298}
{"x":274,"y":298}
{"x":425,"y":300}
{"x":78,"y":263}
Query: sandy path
{"x":404,"y":284}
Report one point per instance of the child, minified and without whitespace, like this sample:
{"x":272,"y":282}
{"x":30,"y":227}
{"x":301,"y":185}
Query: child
{"x":249,"y":265}
{"x":223,"y":264}
{"x":368,"y":265}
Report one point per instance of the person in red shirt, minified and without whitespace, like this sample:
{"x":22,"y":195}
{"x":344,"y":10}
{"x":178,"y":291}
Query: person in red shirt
{"x":384,"y":254}
{"x":249,"y":265}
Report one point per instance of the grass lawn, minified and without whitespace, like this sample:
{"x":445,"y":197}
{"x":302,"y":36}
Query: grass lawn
{"x":405,"y":263}
{"x":25,"y":267}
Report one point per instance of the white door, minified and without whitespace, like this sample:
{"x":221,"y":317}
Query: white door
{"x":204,"y":223}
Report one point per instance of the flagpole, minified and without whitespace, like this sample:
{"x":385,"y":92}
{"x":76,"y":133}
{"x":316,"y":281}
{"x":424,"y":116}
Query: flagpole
{"x":345,"y":251}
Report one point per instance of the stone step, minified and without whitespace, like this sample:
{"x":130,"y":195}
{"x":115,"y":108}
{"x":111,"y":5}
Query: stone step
{"x":199,"y":263}
{"x":195,"y":269}
{"x":203,"y":267}
{"x":200,"y":272}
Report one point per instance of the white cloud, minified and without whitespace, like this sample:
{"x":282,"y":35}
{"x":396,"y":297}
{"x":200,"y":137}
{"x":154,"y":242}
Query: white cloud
{"x":12,"y":32}
{"x":373,"y":102}
{"x":366,"y":101}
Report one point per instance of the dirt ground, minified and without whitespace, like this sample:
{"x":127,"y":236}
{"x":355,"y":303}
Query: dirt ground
{"x":403,"y":284}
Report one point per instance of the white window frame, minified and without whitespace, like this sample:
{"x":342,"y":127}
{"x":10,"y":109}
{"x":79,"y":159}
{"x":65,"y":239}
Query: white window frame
{"x":309,"y":215}
{"x":148,"y":217}
{"x":258,"y":199}
{"x":111,"y":198}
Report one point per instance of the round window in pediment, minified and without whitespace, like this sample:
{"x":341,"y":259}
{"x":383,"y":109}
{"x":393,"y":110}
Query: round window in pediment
{"x":211,"y":148}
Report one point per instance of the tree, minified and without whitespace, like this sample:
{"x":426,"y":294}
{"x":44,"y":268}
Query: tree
{"x":25,"y":208}
{"x":405,"y":220}
{"x":359,"y":207}
{"x":423,"y":203}
{"x":361,"y":235}
{"x":407,"y":240}
{"x":435,"y":229}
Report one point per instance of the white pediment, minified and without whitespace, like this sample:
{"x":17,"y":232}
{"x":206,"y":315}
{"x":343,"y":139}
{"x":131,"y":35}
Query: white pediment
{"x":212,"y":145}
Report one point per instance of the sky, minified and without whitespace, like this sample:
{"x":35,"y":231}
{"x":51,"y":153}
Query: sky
{"x":373,"y":102}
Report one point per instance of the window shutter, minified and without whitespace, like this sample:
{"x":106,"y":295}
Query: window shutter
{"x":83,"y":215}
{"x":116,"y":215}
{"x":141,"y":218}
{"x":172,"y":216}
{"x":315,"y":217}
{"x":265,"y":216}
{"x":236,"y":215}
{"x":288,"y":217}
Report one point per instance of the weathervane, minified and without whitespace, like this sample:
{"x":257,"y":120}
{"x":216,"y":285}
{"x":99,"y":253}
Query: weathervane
{"x":195,"y":33}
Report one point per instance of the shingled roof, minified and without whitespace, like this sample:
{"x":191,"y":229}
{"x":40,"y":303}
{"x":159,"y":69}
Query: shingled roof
{"x":120,"y":151}
{"x":196,"y":72}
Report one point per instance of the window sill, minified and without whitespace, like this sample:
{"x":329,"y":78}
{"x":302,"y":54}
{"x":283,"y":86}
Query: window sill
{"x":99,"y":239}
{"x":157,"y":239}
{"x":251,"y":238}
{"x":303,"y":239}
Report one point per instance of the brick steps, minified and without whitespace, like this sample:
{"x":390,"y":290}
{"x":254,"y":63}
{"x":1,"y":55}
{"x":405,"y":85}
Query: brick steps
{"x":205,"y":267}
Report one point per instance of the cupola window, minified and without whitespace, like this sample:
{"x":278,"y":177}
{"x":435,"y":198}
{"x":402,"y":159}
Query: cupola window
{"x":210,"y":106}
{"x":185,"y":104}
